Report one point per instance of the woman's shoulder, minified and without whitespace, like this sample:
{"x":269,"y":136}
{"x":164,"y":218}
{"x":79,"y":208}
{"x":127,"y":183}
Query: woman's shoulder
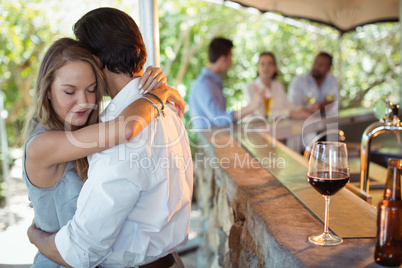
{"x":251,"y":85}
{"x":34,"y":143}
{"x":35,"y":128}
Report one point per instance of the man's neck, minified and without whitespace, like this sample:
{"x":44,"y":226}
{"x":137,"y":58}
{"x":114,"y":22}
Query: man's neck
{"x":116,"y":82}
{"x":319,"y":81}
{"x":214,"y":68}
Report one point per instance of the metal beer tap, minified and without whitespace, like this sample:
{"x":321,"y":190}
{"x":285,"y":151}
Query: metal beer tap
{"x":389,"y":122}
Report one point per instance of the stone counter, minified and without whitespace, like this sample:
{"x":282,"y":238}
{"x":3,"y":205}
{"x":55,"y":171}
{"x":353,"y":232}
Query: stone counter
{"x":252,"y":220}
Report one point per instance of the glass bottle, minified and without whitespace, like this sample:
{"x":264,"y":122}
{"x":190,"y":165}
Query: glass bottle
{"x":388,"y":250}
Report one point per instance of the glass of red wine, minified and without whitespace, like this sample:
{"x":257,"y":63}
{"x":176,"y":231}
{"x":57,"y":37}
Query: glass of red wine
{"x":328,"y":172}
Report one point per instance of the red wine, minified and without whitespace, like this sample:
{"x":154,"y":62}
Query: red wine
{"x":328,"y":183}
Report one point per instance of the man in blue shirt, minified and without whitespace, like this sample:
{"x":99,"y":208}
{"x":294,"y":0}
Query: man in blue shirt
{"x":318,"y":88}
{"x":207,"y":103}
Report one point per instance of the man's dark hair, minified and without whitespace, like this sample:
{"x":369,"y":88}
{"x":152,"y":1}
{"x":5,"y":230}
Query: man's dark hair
{"x":219,"y":47}
{"x":113,"y":37}
{"x":325,"y":54}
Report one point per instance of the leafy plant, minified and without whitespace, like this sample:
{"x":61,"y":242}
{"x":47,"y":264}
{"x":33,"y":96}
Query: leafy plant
{"x":24,"y":32}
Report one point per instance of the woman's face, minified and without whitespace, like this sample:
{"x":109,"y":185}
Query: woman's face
{"x":266,"y":67}
{"x":73,"y":93}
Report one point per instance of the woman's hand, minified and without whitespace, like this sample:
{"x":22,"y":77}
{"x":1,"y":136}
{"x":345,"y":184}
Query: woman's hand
{"x":166,"y":93}
{"x":178,"y":101}
{"x":153,"y":77}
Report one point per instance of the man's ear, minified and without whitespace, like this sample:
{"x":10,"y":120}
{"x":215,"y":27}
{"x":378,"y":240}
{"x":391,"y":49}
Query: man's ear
{"x":221,"y":58}
{"x":97,"y":61}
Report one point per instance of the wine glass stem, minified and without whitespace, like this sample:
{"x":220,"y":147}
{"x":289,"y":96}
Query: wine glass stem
{"x":327,"y":198}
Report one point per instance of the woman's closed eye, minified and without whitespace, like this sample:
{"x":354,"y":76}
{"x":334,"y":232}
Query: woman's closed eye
{"x":68,"y":89}
{"x":92,"y":87}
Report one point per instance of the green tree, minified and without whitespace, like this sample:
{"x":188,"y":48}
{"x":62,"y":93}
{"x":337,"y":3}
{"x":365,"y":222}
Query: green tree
{"x":371,"y":65}
{"x":24,"y":32}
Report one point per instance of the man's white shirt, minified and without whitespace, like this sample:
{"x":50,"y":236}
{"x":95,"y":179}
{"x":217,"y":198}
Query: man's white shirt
{"x":329,"y":87}
{"x":135,"y":206}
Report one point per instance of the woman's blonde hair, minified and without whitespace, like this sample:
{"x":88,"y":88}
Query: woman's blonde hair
{"x":61,"y":52}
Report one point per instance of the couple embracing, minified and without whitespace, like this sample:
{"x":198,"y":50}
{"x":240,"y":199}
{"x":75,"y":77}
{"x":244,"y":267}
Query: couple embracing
{"x":102,"y":211}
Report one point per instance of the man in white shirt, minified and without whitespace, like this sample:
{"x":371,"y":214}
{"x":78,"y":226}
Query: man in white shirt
{"x":317,"y":88}
{"x":134,"y":209}
{"x":317,"y":91}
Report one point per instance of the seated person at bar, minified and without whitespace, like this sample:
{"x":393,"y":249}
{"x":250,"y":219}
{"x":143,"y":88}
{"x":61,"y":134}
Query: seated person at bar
{"x":268,"y":87}
{"x":207,"y":102}
{"x":317,"y":88}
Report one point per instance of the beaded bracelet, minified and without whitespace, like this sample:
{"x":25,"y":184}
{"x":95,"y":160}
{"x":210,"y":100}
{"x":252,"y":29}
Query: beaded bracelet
{"x":156,"y":97}
{"x":153,"y":104}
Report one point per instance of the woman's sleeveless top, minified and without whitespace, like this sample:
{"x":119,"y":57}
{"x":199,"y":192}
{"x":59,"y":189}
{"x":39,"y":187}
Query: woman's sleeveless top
{"x":54,"y":206}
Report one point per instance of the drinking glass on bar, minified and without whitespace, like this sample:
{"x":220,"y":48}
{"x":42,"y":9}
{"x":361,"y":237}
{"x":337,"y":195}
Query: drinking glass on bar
{"x":328,"y":172}
{"x":267,"y":105}
{"x":329,"y":97}
{"x":309,"y":96}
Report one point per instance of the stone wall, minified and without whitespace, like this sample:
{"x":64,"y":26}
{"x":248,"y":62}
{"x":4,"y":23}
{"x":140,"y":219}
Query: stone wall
{"x":231,"y":225}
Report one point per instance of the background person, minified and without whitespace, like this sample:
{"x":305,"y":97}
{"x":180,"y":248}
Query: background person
{"x":267,"y":86}
{"x":207,"y":102}
{"x":317,"y":88}
{"x":128,"y":213}
{"x":67,"y":100}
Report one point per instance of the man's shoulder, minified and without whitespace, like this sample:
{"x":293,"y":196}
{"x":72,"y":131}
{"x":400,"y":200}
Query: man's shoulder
{"x":202,"y":84}
{"x":169,"y":120}
{"x":171,"y":111}
{"x":331,"y":77}
{"x":303,"y":76}
{"x":300,"y":79}
{"x":203,"y":77}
